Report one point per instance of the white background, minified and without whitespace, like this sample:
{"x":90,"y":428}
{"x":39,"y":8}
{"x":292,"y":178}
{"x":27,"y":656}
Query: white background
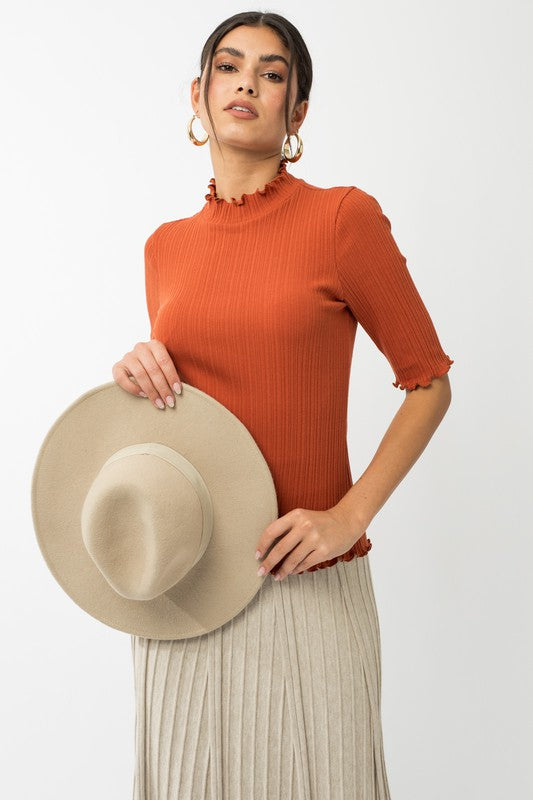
{"x":425,"y":105}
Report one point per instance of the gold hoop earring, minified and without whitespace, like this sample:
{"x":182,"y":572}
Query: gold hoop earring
{"x":192,"y":137}
{"x":287,"y":149}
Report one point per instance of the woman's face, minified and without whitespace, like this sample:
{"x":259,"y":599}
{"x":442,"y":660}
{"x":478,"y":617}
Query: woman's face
{"x":236,"y":77}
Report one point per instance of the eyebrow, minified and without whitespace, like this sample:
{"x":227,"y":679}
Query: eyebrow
{"x":239,"y":54}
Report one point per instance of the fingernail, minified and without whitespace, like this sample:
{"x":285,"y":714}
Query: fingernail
{"x":159,"y":403}
{"x":142,"y":394}
{"x":277,"y":576}
{"x":170,"y":401}
{"x":177,"y":388}
{"x":261,"y":571}
{"x":257,"y":554}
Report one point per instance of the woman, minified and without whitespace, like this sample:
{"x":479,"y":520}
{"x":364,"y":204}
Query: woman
{"x":255,"y":299}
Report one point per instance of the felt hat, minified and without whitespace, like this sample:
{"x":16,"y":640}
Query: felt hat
{"x":148,"y":518}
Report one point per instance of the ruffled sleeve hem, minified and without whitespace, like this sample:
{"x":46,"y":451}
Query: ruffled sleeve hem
{"x":424,"y":380}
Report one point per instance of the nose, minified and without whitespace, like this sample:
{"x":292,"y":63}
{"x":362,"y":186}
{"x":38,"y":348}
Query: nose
{"x":247,"y":85}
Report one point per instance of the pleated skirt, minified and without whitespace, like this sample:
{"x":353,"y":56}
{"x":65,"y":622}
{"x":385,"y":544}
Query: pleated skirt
{"x":280,"y":703}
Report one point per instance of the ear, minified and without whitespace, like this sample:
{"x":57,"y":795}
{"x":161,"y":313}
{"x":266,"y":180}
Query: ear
{"x":299,"y":113}
{"x":195,"y":92}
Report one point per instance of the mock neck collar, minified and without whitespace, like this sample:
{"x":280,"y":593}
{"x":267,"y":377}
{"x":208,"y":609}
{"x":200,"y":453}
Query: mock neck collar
{"x":254,"y":204}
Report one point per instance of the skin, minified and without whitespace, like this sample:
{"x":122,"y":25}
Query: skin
{"x":248,"y":157}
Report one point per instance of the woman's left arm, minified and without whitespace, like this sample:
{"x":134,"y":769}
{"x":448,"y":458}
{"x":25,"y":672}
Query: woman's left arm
{"x":375,"y":284}
{"x":304,"y":537}
{"x":404,"y":441}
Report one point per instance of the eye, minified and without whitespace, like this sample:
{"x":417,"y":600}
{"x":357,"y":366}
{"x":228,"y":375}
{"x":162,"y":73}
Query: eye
{"x":220,"y":67}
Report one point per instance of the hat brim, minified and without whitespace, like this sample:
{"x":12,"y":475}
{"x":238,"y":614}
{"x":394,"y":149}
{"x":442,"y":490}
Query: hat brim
{"x":222,"y":449}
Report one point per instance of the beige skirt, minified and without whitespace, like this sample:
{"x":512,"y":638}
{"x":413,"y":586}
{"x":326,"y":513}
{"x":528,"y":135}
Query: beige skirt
{"x":283,"y":701}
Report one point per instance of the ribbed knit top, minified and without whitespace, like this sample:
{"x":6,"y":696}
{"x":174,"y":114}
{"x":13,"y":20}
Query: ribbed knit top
{"x":257,"y":301}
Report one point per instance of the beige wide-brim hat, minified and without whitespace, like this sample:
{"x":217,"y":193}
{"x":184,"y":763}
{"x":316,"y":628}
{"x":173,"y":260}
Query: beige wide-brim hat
{"x":148,"y":518}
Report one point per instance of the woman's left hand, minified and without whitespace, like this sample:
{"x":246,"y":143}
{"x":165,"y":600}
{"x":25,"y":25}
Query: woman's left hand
{"x":307,"y":538}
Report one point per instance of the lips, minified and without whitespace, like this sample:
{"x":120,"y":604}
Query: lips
{"x":244,"y":104}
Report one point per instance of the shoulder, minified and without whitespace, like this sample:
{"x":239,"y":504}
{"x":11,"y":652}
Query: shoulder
{"x":343,"y":201}
{"x":359,"y":214}
{"x":163,"y":232}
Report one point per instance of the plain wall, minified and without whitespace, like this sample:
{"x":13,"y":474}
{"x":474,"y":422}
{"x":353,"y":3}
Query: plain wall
{"x":426,"y":106}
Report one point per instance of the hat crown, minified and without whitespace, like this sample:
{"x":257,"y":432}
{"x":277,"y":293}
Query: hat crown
{"x":146,"y":520}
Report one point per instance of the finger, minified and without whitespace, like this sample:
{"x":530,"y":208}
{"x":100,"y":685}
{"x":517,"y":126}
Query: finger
{"x":276,"y":529}
{"x":137,"y":374}
{"x":318,"y":553}
{"x":307,"y":562}
{"x":293,"y":560}
{"x":123,"y":377}
{"x":166,"y":365}
{"x":149,"y":375}
{"x":285,"y":545}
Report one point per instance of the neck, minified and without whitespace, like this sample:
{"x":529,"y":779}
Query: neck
{"x":237,"y":175}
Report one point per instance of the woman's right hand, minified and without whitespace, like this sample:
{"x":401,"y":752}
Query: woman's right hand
{"x":151,"y":367}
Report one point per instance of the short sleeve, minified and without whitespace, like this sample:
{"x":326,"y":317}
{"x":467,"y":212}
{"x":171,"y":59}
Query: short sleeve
{"x":376,"y":285}
{"x":151,"y":282}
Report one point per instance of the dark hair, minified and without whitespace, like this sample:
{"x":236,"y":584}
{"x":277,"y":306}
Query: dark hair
{"x":288,"y":34}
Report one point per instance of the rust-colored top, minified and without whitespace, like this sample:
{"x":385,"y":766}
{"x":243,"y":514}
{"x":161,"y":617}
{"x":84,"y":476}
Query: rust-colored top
{"x":257,"y":301}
